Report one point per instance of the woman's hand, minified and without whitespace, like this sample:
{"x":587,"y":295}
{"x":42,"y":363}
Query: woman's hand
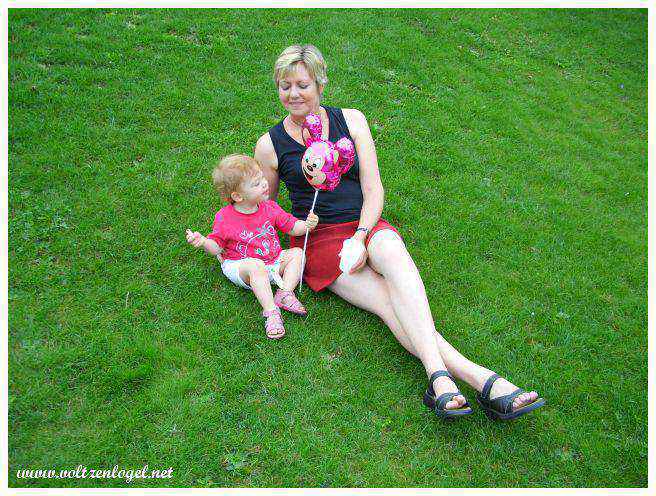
{"x":363,"y":257}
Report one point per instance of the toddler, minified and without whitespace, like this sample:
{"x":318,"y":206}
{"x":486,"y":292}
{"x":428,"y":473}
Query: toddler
{"x":245,"y":241}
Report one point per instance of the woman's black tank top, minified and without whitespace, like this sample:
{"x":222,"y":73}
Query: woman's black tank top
{"x":344,"y":203}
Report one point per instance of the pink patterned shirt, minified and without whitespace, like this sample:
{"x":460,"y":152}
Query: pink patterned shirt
{"x":251,"y":235}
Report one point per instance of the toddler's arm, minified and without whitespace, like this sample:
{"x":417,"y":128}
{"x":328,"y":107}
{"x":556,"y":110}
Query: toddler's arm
{"x":301,"y":226}
{"x":197,"y":240}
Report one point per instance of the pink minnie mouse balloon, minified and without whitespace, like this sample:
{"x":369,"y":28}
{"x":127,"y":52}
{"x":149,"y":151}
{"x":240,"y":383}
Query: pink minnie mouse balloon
{"x":324,"y":162}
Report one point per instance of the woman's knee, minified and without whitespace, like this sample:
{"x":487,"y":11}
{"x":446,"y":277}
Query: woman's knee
{"x":388,"y":253}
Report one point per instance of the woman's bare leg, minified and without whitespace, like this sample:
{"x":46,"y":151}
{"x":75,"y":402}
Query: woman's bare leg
{"x":389,"y":257}
{"x":367,"y":289}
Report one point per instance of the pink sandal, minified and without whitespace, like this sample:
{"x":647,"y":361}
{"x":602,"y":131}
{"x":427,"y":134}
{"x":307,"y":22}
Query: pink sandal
{"x":288,"y":301}
{"x":273,"y":325}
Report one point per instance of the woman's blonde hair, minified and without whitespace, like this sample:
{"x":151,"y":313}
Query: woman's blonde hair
{"x":311,"y":58}
{"x":231,"y":172}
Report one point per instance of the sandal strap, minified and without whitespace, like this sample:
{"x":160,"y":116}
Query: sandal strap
{"x":272,"y":318}
{"x":290,"y":300}
{"x":441,"y":402}
{"x":501,"y":404}
{"x":273,"y":325}
{"x":504,"y":403}
{"x":284,"y":294}
{"x":485,"y":393}
{"x":270,"y":313}
{"x":435,"y":375}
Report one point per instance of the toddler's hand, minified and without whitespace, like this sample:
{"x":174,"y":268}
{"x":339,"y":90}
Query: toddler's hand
{"x":311,"y":221}
{"x":195,"y":239}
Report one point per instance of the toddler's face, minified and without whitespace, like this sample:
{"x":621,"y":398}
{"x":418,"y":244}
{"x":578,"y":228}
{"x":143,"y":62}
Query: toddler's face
{"x":254,"y":189}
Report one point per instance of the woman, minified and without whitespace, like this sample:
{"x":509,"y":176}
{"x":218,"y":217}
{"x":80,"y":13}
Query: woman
{"x":385,"y":281}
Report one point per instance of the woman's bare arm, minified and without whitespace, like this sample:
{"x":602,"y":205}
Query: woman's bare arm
{"x":372,"y":187}
{"x":265,"y":155}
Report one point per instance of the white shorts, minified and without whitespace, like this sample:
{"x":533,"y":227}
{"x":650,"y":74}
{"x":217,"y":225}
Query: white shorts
{"x":231,"y":270}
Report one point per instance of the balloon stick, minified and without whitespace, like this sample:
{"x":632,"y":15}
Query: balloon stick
{"x":307,"y":232}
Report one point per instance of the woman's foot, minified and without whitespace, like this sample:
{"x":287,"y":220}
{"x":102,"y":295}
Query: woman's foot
{"x":502,"y":387}
{"x":447,"y":402}
{"x":288,"y":301}
{"x":443,"y":385}
{"x":273,"y":325}
{"x":504,"y":401}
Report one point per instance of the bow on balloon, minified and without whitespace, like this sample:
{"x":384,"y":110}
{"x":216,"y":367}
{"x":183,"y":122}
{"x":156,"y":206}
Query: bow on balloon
{"x":323,"y":163}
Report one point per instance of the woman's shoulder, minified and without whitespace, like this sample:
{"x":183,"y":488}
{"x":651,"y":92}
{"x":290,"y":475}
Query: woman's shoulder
{"x":273,"y":134}
{"x":265,"y":153}
{"x":353,"y":114}
{"x":355,"y":120}
{"x":264,"y":142}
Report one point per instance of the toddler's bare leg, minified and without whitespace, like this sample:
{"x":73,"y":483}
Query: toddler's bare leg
{"x":254,"y":273}
{"x":291,"y":268}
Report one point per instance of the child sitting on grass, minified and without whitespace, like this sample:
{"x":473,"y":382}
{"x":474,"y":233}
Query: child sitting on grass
{"x":245,"y":241}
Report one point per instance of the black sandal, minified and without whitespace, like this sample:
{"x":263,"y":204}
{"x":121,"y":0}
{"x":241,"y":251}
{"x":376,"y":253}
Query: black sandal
{"x":501,"y":408}
{"x":437,"y":404}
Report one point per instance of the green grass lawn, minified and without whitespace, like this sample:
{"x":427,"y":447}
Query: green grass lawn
{"x":513,"y":148}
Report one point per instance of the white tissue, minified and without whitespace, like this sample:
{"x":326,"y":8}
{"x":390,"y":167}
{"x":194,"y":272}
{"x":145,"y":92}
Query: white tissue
{"x":350,"y":254}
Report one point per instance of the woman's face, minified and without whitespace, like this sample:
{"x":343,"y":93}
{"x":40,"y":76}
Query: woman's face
{"x":299,"y":92}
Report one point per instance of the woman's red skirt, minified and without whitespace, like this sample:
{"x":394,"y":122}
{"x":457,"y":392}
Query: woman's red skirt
{"x":323,"y":247}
